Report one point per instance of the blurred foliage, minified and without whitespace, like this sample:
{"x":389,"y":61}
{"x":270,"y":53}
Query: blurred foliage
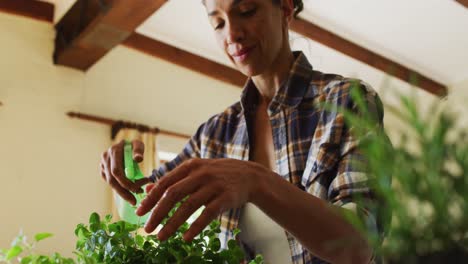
{"x":421,"y":183}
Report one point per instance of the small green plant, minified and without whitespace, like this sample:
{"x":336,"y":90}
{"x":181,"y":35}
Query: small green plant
{"x":21,"y":251}
{"x":105,"y":242}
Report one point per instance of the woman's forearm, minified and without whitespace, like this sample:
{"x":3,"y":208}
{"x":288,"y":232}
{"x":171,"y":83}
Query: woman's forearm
{"x":317,"y":224}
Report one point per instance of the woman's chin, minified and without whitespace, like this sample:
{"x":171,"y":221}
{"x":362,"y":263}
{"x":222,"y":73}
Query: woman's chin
{"x":249,"y":70}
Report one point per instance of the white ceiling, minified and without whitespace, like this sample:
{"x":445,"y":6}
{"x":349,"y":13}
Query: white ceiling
{"x":429,"y":36}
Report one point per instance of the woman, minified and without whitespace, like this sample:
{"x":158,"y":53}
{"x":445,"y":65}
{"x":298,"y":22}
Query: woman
{"x":276,"y":163}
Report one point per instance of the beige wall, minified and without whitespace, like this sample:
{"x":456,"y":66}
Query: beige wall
{"x":48,"y":162}
{"x":49,"y":175}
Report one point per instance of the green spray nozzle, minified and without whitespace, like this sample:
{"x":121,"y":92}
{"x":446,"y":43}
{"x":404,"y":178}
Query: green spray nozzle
{"x":132,"y":170}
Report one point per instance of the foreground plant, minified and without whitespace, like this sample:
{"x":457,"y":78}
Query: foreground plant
{"x":22,"y":251}
{"x":103,"y":241}
{"x":119,"y":242}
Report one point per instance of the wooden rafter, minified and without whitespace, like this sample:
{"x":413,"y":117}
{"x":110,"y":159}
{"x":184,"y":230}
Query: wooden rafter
{"x":185,"y":59}
{"x":90,"y":29}
{"x":375,"y":60}
{"x":463,"y":2}
{"x":29,"y":8}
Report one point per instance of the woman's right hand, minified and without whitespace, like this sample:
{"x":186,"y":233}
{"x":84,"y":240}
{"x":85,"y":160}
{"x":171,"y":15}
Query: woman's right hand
{"x":112,"y":170}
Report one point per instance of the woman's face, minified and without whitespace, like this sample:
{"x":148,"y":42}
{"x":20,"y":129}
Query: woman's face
{"x":251,"y":32}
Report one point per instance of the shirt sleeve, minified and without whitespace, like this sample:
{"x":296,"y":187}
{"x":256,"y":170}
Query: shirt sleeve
{"x":351,"y":188}
{"x":191,"y":150}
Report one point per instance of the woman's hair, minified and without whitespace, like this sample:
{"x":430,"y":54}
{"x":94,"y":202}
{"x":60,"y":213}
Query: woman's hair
{"x":298,"y":6}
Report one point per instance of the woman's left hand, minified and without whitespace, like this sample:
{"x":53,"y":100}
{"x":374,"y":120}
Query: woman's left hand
{"x":218,"y":184}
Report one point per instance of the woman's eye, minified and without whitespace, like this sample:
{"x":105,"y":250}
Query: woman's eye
{"x":248,"y":13}
{"x":219,"y":25}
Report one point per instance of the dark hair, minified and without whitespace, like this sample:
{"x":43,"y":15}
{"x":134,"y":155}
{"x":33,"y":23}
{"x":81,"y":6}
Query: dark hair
{"x":298,"y":6}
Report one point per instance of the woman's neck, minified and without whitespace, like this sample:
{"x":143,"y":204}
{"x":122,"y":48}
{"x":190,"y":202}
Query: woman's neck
{"x":269,"y":82}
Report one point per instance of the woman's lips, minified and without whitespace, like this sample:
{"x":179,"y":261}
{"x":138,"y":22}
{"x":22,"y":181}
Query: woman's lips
{"x":242,"y":54}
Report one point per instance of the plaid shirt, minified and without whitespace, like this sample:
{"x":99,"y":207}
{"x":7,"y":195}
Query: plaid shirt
{"x":314,"y":149}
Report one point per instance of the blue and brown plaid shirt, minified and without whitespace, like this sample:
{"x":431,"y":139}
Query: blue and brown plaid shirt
{"x":313,"y":147}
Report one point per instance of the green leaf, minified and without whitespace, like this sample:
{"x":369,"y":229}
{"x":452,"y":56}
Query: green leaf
{"x":114,"y":227}
{"x":258,"y":260}
{"x":139,"y":241}
{"x":232,"y":244}
{"x":108,"y":218}
{"x":177,"y":254}
{"x":94,"y":227}
{"x":41,"y":236}
{"x":94,"y":218}
{"x":215,"y":224}
{"x":236,"y":232}
{"x":26,"y":260}
{"x":13,"y":252}
{"x":238,"y":254}
{"x":215,"y":244}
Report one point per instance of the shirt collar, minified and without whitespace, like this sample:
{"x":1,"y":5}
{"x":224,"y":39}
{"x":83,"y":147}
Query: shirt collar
{"x":290,"y":94}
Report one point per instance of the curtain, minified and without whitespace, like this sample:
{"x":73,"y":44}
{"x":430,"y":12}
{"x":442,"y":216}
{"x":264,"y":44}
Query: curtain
{"x":121,"y":209}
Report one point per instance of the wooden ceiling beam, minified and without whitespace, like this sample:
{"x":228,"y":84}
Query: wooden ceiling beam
{"x":29,"y":8}
{"x":185,"y":59}
{"x":91,"y":28}
{"x":72,"y":23}
{"x":327,"y":38}
{"x":463,"y":2}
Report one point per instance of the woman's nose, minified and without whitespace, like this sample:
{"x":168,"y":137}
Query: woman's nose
{"x":235,"y":33}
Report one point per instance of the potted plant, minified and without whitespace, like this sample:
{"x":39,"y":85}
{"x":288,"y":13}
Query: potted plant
{"x":103,"y":241}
